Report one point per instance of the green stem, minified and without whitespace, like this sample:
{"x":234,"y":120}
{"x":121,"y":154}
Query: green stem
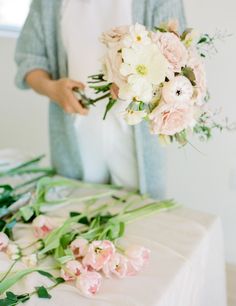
{"x":9,"y":271}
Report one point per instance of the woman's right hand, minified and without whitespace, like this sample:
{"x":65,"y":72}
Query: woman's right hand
{"x":59,"y":91}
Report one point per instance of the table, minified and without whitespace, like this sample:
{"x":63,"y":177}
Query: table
{"x":186,"y":267}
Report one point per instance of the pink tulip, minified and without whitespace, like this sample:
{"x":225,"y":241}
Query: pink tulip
{"x":42,"y":226}
{"x":71,"y":270}
{"x":137,"y":256}
{"x":89,"y":283}
{"x":4,"y":240}
{"x":99,"y":253}
{"x":79,"y":247}
{"x":117,"y":265}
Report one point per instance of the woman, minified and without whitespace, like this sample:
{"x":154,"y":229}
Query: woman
{"x":57,"y":49}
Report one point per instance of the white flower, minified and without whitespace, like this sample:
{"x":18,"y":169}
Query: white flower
{"x":138,"y":36}
{"x":13,"y":251}
{"x":178,"y":90}
{"x":146,"y":63}
{"x":30,"y":260}
{"x":134,"y":117}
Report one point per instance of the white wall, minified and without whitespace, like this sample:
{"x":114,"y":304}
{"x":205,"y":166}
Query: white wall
{"x":204,"y":181}
{"x":23,"y":114}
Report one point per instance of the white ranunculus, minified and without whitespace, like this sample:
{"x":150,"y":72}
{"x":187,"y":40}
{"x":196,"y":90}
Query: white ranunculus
{"x":178,"y":90}
{"x":145,"y":66}
{"x":134,"y":117}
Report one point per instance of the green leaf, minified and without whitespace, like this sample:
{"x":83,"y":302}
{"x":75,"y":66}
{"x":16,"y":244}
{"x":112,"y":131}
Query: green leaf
{"x":60,"y":280}
{"x":65,"y":259}
{"x":67,"y":239}
{"x":109,"y":106}
{"x":42,"y":293}
{"x":27,"y":212}
{"x":10,"y":281}
{"x":11,"y":296}
{"x":188,"y":73}
{"x":46,"y":274}
{"x":122,"y":229}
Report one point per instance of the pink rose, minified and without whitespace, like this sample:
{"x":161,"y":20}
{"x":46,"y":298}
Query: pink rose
{"x":71,"y":270}
{"x":168,"y":119}
{"x":42,"y":226}
{"x":79,"y":247}
{"x":137,"y":256}
{"x":117,"y":265}
{"x":172,"y":48}
{"x":114,"y":36}
{"x":89,"y":283}
{"x":4,"y":240}
{"x":195,"y":62}
{"x":99,"y":253}
{"x":111,"y":67}
{"x":177,"y":90}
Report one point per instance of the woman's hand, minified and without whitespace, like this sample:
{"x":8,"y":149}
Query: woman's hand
{"x":59,"y":91}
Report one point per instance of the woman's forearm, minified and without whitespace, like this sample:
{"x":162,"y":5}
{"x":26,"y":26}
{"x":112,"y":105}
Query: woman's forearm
{"x":59,"y":91}
{"x":40,"y":81}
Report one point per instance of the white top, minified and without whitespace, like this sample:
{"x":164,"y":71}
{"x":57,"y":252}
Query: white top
{"x":107,"y":147}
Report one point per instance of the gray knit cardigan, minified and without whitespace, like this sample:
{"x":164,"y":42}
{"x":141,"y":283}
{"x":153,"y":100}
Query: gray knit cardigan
{"x":40,"y":46}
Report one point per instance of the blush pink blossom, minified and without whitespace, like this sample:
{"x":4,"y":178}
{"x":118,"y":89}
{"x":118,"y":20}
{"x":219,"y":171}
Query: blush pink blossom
{"x":173,"y":49}
{"x":169,"y":119}
{"x":195,"y":62}
{"x":99,"y":253}
{"x":42,"y":226}
{"x":111,"y":67}
{"x":4,"y":241}
{"x":71,"y":270}
{"x":117,"y":265}
{"x":114,"y":36}
{"x":137,"y":256}
{"x":89,"y":283}
{"x":79,"y":247}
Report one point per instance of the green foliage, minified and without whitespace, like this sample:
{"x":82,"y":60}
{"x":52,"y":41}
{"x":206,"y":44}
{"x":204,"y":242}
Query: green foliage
{"x":42,"y":293}
{"x":12,"y":299}
{"x":109,"y":106}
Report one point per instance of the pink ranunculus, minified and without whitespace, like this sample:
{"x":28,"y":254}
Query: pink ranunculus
{"x":89,"y":283}
{"x":172,"y":48}
{"x":42,"y":226}
{"x":71,"y":270}
{"x":178,"y":90}
{"x":4,"y":241}
{"x":99,"y":253}
{"x":114,"y":36}
{"x":117,"y":265}
{"x":169,"y":119}
{"x":79,"y":247}
{"x":195,"y":62}
{"x":137,"y":256}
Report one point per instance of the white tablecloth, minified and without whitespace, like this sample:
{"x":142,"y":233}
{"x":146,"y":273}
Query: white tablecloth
{"x":186,"y":266}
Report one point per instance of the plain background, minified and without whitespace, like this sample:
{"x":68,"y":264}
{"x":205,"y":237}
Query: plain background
{"x":204,"y":181}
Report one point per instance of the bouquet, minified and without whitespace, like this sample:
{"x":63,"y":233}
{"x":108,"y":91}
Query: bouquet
{"x":162,"y":74}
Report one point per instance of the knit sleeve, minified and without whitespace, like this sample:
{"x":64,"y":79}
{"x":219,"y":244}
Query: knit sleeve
{"x":166,"y":10}
{"x":30,"y":50}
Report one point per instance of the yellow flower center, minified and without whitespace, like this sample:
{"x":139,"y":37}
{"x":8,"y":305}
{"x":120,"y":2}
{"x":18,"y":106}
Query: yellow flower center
{"x":138,"y":38}
{"x":142,"y":70}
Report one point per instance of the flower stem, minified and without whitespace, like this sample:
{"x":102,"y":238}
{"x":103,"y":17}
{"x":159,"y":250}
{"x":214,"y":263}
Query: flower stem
{"x":9,"y":270}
